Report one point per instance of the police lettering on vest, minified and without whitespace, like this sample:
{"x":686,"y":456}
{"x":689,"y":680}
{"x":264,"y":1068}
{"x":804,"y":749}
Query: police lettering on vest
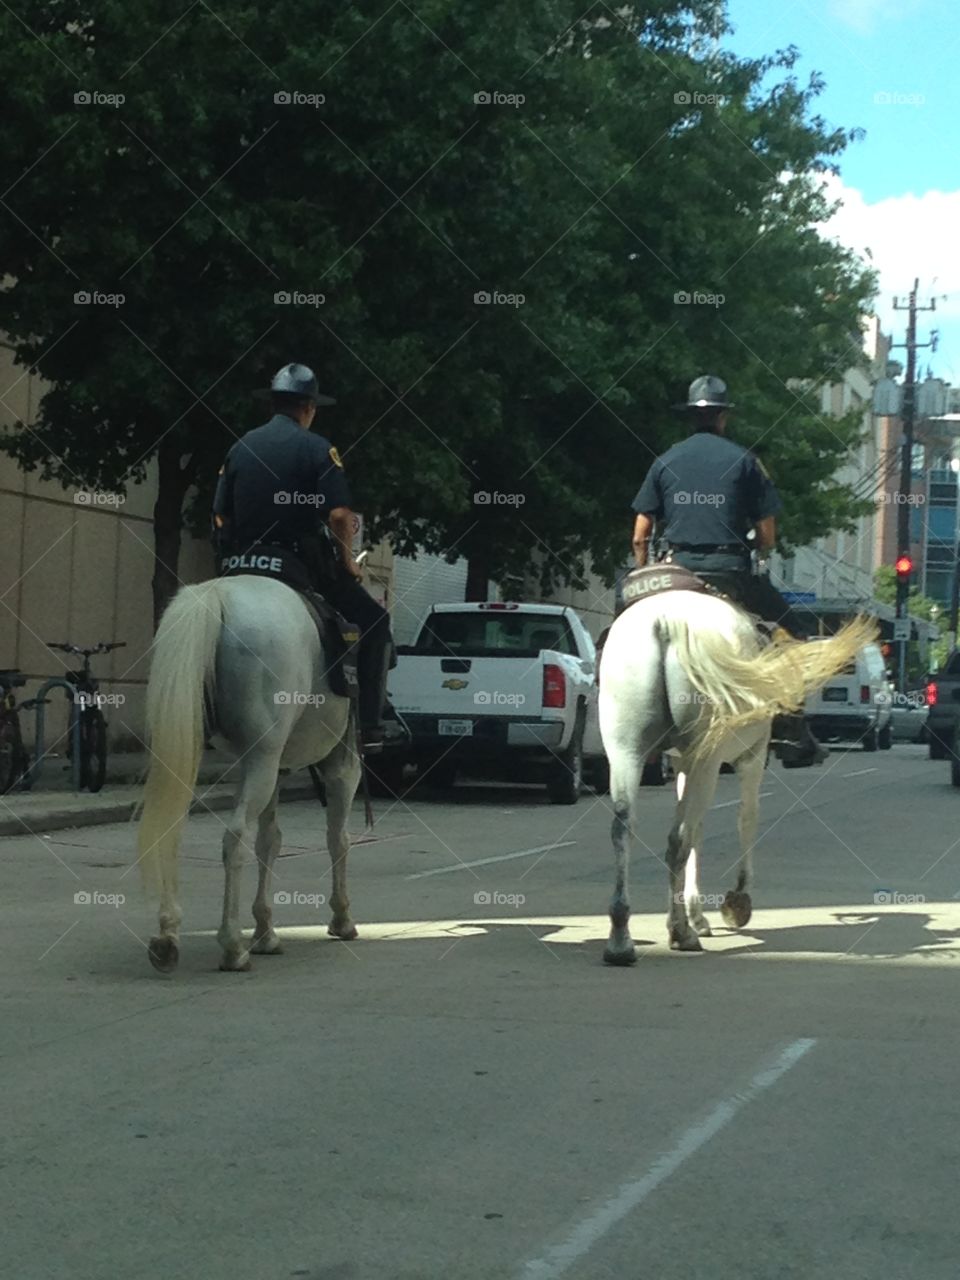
{"x":269,"y":564}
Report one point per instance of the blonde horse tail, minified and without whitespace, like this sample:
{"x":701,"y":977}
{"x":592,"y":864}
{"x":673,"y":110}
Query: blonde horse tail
{"x":743,"y":687}
{"x":181,"y":674}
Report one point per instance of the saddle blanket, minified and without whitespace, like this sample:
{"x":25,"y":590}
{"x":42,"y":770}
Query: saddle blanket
{"x":655,"y":578}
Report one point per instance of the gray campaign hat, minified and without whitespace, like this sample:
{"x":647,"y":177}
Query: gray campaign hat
{"x":706,"y":392}
{"x":296,"y":380}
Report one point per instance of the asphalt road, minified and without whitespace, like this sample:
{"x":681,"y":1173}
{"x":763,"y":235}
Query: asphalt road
{"x":466,"y":1091}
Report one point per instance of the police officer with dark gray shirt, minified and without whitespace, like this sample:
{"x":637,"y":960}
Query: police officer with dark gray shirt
{"x":279,"y":486}
{"x":707,"y":494}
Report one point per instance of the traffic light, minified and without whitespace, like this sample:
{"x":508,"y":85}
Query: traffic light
{"x":904,"y":567}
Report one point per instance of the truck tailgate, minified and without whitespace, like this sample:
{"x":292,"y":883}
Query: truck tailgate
{"x":467,"y":687}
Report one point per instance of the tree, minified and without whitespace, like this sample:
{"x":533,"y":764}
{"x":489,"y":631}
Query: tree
{"x":420,"y":184}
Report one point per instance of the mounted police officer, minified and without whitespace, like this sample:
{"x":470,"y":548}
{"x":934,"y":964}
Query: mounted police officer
{"x":707,"y":494}
{"x":284,"y":486}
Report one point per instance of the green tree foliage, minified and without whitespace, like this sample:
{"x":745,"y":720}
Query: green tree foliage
{"x":602,"y":167}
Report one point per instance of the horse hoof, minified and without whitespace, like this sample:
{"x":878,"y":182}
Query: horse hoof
{"x":346,"y":932}
{"x":235,"y":964}
{"x":737,"y":908}
{"x":267,"y":947}
{"x":625,"y":957}
{"x":164,"y":954}
{"x":702,"y":928}
{"x":685,"y":942}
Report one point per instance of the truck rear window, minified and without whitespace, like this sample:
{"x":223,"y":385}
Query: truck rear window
{"x":479,"y":634}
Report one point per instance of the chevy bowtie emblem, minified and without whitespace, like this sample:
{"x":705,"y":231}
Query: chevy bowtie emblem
{"x":454,"y":684}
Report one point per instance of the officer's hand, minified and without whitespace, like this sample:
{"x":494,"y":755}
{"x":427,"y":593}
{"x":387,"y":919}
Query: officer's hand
{"x":354,"y":570}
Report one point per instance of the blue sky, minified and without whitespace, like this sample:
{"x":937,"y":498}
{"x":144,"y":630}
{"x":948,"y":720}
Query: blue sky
{"x":901,"y":183}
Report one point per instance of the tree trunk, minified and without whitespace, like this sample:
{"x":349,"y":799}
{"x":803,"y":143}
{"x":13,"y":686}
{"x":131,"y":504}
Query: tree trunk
{"x":478,"y":576}
{"x":167,"y":519}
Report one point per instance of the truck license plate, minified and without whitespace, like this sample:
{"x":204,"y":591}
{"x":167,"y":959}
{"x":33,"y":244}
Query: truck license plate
{"x":455,"y":728}
{"x":834,"y":694}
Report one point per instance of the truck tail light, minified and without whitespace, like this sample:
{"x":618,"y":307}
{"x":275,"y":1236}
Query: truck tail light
{"x":554,"y":686}
{"x":864,"y":693}
{"x":931,"y":694}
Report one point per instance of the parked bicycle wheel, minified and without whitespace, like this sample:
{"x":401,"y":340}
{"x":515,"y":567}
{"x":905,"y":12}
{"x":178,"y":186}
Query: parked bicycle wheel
{"x":93,"y":749}
{"x":13,"y":757}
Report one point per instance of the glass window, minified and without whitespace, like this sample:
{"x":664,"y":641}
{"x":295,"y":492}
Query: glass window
{"x":520,"y":634}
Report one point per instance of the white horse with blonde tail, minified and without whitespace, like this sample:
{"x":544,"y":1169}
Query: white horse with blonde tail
{"x":240,"y":658}
{"x":685,"y":671}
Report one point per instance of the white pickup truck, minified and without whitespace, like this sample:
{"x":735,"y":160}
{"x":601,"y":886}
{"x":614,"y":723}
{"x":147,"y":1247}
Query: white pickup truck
{"x":502,"y":690}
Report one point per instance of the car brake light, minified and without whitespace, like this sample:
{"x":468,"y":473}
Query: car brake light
{"x":498,"y":605}
{"x":554,"y":686}
{"x":864,"y":693}
{"x":931,"y":694}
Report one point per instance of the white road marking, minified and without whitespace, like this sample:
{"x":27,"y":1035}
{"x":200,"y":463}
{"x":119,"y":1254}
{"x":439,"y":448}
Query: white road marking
{"x":558,"y":1260}
{"x":485,"y":862}
{"x":860,"y":772}
{"x":727,"y":803}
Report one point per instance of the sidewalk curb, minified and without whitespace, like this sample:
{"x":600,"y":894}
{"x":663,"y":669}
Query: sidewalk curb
{"x":122,"y":810}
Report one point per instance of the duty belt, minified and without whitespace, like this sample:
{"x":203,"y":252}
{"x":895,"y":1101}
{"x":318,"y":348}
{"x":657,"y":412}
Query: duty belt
{"x":734,"y":548}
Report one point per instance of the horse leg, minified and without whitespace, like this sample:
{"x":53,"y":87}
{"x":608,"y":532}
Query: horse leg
{"x":341,"y":773}
{"x":265,"y":940}
{"x":699,"y":786}
{"x":691,"y":888}
{"x":164,"y":950}
{"x":737,"y":906}
{"x":258,"y":785}
{"x":625,"y":774}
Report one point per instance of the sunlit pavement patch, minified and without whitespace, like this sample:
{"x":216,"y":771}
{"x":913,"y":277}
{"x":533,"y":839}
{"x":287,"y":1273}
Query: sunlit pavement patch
{"x":898,"y":935}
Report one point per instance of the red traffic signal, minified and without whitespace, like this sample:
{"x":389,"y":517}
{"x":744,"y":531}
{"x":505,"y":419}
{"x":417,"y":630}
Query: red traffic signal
{"x":903,"y":566}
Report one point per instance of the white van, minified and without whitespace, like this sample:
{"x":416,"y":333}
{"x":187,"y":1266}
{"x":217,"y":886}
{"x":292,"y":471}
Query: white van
{"x":856,"y":705}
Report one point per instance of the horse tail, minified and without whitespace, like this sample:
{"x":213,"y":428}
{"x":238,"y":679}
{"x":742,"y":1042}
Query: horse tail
{"x":181,"y":672}
{"x":743,"y":687}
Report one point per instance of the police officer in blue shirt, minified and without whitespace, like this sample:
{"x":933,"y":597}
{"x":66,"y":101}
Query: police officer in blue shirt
{"x":280,"y":485}
{"x":707,"y":494}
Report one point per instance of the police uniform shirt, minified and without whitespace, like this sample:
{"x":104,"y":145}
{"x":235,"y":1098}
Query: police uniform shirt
{"x":708,"y":492}
{"x":279,"y":483}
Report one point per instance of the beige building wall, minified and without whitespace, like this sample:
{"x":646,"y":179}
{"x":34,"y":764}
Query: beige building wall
{"x":77,"y":568}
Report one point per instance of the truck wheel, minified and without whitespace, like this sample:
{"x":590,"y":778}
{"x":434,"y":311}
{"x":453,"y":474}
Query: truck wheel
{"x":885,"y":737}
{"x":385,"y":779}
{"x":954,"y":771}
{"x":600,"y":776}
{"x":652,"y":775}
{"x":869,"y":739}
{"x":442,"y":775}
{"x":565,"y":778}
{"x":938,"y":750}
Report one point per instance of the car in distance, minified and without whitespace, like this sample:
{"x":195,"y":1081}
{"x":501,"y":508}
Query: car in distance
{"x":855,"y":704}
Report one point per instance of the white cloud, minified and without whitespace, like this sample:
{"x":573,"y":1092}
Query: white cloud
{"x":864,"y":15}
{"x":908,"y":237}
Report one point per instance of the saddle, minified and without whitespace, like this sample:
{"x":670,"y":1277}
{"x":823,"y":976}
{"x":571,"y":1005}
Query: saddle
{"x":338,"y":637}
{"x":653,"y":579}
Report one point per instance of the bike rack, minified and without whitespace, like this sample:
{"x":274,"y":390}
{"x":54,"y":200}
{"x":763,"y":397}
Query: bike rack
{"x":33,"y":773}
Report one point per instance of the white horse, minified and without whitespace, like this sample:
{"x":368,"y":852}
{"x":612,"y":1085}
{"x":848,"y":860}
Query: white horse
{"x":685,"y":671}
{"x":246,"y":652}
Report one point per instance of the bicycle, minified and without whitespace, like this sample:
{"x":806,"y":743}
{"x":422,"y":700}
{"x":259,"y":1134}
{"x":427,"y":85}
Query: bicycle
{"x":14,"y":757}
{"x":86,"y":705}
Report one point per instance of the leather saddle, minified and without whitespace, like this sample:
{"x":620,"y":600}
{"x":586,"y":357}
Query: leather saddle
{"x":653,"y":579}
{"x":338,"y":637}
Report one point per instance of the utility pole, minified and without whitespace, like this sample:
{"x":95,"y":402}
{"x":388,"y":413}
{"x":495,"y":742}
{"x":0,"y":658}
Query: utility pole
{"x":906,"y":462}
